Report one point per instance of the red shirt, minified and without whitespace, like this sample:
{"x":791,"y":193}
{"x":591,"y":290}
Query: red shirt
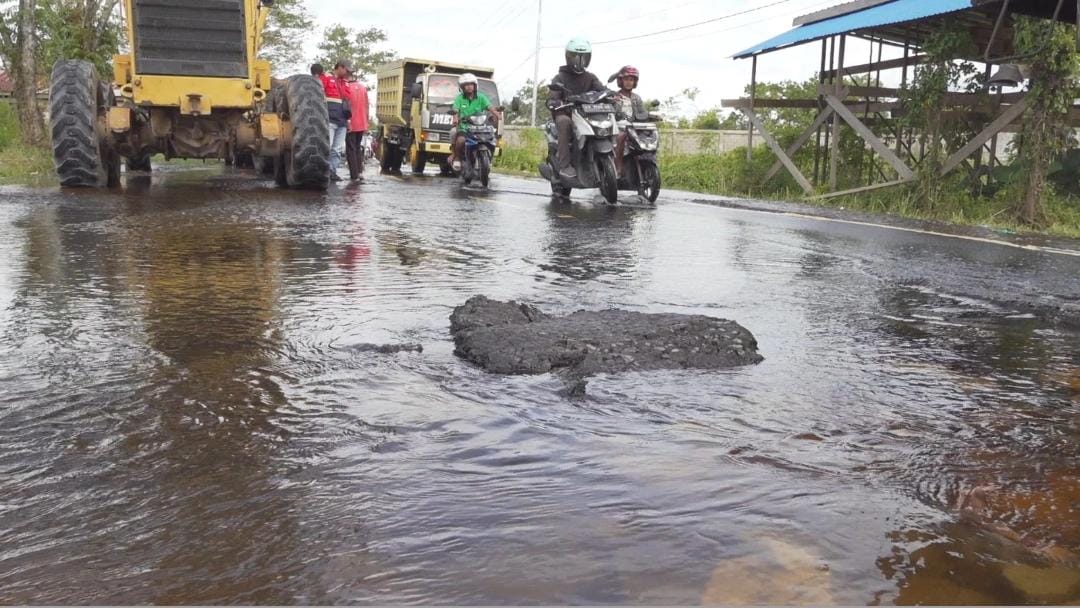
{"x":330,"y":86}
{"x":358,"y":102}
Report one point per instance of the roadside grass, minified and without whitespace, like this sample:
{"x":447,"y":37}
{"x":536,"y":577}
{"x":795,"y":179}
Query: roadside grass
{"x":732,"y":174}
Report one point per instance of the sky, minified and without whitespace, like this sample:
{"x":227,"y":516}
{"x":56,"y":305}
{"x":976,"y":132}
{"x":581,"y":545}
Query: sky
{"x":502,"y":34}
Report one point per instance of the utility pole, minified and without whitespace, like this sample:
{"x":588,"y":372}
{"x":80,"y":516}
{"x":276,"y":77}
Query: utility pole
{"x":536,"y":61}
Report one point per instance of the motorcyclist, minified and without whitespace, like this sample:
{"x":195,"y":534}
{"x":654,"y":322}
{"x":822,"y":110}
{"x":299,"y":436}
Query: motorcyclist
{"x":572,"y":79}
{"x":469,"y":102}
{"x":631,"y":106}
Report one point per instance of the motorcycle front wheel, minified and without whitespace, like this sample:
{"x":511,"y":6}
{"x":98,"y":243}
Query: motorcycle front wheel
{"x":483,"y":162}
{"x":649,"y":176}
{"x":609,"y":180}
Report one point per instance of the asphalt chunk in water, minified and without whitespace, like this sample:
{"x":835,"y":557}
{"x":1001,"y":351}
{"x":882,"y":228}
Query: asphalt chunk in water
{"x":516,"y":338}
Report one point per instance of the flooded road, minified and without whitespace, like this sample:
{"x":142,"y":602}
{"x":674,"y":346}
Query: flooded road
{"x":192,"y":411}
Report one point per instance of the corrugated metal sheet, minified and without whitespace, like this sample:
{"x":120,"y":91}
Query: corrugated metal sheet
{"x":897,"y":11}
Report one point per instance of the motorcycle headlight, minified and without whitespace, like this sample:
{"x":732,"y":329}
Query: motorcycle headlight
{"x":600,"y":124}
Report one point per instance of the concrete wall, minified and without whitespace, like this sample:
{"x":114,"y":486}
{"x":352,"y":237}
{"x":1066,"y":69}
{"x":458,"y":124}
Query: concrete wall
{"x":672,"y":141}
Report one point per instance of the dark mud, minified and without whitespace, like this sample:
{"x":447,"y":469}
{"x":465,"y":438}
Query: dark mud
{"x":514,"y":338}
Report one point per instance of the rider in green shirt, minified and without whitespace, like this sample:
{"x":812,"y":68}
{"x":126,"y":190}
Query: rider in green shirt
{"x":469,"y":102}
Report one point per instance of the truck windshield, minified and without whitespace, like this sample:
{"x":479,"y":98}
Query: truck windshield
{"x":443,"y":88}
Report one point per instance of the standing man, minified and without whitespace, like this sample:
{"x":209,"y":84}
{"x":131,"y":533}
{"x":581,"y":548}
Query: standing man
{"x":357,"y":95}
{"x":339,"y":121}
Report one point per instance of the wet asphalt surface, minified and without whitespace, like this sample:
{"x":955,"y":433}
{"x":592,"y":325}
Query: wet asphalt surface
{"x":194,"y":410}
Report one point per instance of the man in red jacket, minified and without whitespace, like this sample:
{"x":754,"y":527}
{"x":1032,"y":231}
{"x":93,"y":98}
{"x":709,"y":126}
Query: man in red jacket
{"x":357,"y":94}
{"x":339,"y":120}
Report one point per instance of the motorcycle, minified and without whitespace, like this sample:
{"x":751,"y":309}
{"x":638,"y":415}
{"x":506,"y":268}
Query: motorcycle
{"x":640,"y":170}
{"x":480,"y":142}
{"x":593,"y":147}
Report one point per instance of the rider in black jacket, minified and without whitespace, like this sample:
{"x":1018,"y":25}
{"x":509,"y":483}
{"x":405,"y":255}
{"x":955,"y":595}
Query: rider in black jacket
{"x":572,"y":79}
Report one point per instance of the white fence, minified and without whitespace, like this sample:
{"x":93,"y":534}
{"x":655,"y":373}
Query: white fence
{"x":672,"y":141}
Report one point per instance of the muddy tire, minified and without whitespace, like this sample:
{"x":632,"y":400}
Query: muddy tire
{"x":139,"y":164}
{"x":307,"y":163}
{"x":391,"y":158}
{"x":77,"y":98}
{"x":609,"y":180}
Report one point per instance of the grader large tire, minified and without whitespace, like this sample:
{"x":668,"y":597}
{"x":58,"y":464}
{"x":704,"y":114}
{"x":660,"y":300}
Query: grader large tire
{"x":307,"y":163}
{"x":76,"y":98}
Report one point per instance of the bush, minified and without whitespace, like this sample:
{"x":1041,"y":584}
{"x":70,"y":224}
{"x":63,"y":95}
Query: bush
{"x":9,"y":125}
{"x":526,"y":155}
{"x":729,"y":173}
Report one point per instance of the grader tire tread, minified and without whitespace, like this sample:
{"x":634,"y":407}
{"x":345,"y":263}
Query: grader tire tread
{"x":310,"y":162}
{"x":73,"y":107}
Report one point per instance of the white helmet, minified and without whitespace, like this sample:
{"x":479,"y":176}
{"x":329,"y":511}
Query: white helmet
{"x":465,"y":79}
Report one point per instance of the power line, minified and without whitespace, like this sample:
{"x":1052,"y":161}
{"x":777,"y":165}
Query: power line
{"x":719,"y":31}
{"x":690,"y":25}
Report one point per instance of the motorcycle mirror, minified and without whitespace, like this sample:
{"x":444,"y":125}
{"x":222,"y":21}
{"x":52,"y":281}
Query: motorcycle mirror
{"x":654,"y":104}
{"x":555,"y":87}
{"x":515,"y":104}
{"x":500,"y":109}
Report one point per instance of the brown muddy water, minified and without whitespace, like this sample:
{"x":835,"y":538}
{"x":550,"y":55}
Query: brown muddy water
{"x":188,"y":413}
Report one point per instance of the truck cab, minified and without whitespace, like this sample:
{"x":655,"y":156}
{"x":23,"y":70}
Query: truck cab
{"x":414,"y":102}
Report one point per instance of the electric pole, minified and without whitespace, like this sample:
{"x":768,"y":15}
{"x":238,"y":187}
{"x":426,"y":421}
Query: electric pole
{"x":536,"y":61}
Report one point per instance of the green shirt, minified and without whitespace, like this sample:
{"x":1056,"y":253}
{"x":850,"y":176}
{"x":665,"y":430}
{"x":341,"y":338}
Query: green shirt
{"x":470,"y":107}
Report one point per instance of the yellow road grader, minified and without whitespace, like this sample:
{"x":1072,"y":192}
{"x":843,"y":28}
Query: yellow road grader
{"x":192,"y":86}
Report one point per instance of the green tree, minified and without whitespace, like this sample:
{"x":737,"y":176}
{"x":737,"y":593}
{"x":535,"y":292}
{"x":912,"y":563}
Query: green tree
{"x":287,"y":27}
{"x":1054,"y":66}
{"x":524,"y":114}
{"x":355,"y":46}
{"x":91,"y":30}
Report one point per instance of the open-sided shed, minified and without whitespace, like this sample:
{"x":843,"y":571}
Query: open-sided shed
{"x":852,"y":95}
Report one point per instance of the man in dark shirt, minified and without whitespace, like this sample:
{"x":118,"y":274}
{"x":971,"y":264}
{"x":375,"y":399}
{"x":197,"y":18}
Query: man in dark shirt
{"x":572,"y":79}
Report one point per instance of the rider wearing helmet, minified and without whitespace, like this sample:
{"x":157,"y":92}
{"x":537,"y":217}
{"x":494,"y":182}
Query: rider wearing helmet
{"x":469,"y":102}
{"x":572,"y":79}
{"x":631,"y":106}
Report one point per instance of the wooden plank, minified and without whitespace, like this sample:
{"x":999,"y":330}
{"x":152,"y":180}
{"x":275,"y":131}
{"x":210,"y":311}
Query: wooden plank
{"x":839,"y":90}
{"x":779,"y":152}
{"x":889,"y":64}
{"x":1010,"y":114}
{"x":860,"y":189}
{"x":805,"y":104}
{"x":800,"y":142}
{"x":868,"y":136}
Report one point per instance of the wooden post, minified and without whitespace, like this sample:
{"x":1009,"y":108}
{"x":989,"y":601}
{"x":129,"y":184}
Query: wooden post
{"x":1005,"y":119}
{"x":755,"y":122}
{"x":800,"y":141}
{"x":753,"y":95}
{"x":903,"y":85}
{"x":821,"y":106}
{"x":868,"y":136}
{"x":834,"y":156}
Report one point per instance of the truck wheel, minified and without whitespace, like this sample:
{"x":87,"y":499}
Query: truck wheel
{"x":307,"y":163}
{"x":139,"y":163}
{"x":609,"y":181}
{"x":76,"y":98}
{"x":419,"y":160}
{"x":445,"y":170}
{"x":391,"y":158}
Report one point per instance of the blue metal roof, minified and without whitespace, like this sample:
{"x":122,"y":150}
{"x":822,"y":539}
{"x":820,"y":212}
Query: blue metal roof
{"x":896,"y":11}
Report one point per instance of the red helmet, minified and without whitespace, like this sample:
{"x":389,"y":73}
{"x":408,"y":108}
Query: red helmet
{"x":628,"y":71}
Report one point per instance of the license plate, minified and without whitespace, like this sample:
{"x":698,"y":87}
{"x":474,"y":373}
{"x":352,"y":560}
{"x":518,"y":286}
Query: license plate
{"x":598,"y":108}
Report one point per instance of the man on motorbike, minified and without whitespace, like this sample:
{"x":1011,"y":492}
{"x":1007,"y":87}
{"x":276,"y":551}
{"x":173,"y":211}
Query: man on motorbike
{"x":572,"y":79}
{"x":631,"y":106}
{"x":469,"y":102}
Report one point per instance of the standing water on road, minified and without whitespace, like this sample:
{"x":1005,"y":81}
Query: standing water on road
{"x":193,"y":412}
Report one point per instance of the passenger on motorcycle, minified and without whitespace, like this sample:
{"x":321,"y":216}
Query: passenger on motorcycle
{"x":631,"y":106}
{"x":572,"y":79}
{"x":469,"y":102}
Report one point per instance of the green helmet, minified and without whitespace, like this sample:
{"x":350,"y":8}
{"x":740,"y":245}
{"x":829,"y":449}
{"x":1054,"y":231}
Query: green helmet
{"x":578,"y":55}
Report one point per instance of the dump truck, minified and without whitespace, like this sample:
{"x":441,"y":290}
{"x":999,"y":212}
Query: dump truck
{"x":413,"y":103}
{"x":192,"y":86}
